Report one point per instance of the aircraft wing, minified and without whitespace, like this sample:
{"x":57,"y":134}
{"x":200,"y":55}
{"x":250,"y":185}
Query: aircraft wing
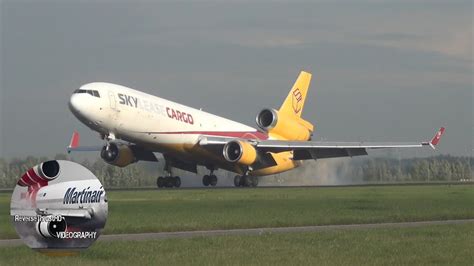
{"x":305,"y":150}
{"x":74,"y":144}
{"x":323,"y":149}
{"x":75,"y":213}
{"x":139,"y":152}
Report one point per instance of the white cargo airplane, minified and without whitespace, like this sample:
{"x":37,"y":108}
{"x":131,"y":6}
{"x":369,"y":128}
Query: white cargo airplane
{"x":135,"y":125}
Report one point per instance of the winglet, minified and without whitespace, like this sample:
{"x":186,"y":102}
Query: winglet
{"x":74,"y":141}
{"x":435,"y":140}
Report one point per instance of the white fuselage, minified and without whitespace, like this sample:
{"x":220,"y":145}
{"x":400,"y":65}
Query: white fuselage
{"x":150,"y":121}
{"x":83,"y":194}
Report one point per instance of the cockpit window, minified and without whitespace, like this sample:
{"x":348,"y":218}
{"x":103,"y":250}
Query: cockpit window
{"x":91,"y":92}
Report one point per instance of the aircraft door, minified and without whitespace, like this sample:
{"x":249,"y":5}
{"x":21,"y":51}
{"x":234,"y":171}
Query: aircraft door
{"x":114,"y":111}
{"x":113,"y":104}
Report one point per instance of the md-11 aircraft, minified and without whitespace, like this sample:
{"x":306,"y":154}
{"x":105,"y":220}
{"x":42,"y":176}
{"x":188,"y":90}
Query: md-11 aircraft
{"x":135,"y":125}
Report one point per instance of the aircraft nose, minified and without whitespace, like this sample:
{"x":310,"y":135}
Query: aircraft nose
{"x":74,"y":104}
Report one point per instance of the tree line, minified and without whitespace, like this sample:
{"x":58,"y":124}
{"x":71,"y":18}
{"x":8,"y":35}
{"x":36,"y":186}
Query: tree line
{"x":134,"y":175}
{"x":436,"y":168}
{"x":373,"y":170}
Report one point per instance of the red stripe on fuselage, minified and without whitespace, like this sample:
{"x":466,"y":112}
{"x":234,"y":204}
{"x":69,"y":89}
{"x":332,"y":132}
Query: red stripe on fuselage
{"x":234,"y":134}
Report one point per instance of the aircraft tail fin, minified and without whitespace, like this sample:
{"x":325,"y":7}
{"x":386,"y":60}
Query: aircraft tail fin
{"x":294,"y":102}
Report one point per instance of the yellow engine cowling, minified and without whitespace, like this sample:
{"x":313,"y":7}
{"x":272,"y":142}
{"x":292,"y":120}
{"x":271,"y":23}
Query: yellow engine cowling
{"x":118,"y":154}
{"x":282,"y":126}
{"x":242,"y":152}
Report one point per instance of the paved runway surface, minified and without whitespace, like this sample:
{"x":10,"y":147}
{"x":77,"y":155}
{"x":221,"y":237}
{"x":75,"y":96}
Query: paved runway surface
{"x":255,"y":231}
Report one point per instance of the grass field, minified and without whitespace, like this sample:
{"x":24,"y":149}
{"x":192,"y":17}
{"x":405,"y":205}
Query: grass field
{"x":177,"y":210}
{"x":431,"y":245}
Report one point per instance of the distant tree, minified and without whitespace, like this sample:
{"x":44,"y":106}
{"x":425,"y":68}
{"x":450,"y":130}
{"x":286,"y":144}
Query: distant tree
{"x":61,"y":156}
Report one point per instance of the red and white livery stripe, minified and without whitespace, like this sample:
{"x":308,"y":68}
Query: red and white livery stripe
{"x":31,"y":177}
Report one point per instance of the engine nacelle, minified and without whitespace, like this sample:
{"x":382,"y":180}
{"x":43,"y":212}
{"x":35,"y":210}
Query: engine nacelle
{"x":51,"y":226}
{"x":236,"y":151}
{"x":289,"y":128}
{"x":40,"y":174}
{"x":118,"y":154}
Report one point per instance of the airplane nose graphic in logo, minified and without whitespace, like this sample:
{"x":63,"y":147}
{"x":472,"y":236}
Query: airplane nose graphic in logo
{"x":296,"y":100}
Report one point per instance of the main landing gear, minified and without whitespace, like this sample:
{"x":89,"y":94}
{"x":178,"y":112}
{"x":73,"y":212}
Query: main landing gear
{"x":168,"y":181}
{"x":245,"y":181}
{"x":209,"y":180}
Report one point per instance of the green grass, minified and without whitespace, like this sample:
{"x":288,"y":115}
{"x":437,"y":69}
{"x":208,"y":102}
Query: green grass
{"x":176,"y":210}
{"x":431,"y":245}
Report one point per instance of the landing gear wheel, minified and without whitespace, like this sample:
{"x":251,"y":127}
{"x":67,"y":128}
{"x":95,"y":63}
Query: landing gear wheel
{"x":177,"y":181}
{"x":213,"y":180}
{"x":169,"y":181}
{"x":254,"y":181}
{"x":160,"y":182}
{"x":206,"y":180}
{"x":237,"y":180}
{"x":248,"y":181}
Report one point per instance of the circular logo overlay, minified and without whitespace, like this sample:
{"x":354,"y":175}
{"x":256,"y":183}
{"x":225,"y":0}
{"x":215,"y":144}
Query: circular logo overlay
{"x":58,"y":207}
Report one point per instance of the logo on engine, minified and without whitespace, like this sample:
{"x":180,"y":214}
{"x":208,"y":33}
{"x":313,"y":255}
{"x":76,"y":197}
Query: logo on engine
{"x":296,"y":99}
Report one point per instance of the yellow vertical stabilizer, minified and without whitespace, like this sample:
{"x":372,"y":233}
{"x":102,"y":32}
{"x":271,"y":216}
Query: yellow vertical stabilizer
{"x":294,"y":102}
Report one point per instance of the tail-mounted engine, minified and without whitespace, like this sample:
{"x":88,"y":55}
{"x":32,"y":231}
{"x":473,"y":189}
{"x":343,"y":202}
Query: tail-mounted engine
{"x":40,"y":174}
{"x":284,"y":126}
{"x":118,"y":154}
{"x":242,"y":152}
